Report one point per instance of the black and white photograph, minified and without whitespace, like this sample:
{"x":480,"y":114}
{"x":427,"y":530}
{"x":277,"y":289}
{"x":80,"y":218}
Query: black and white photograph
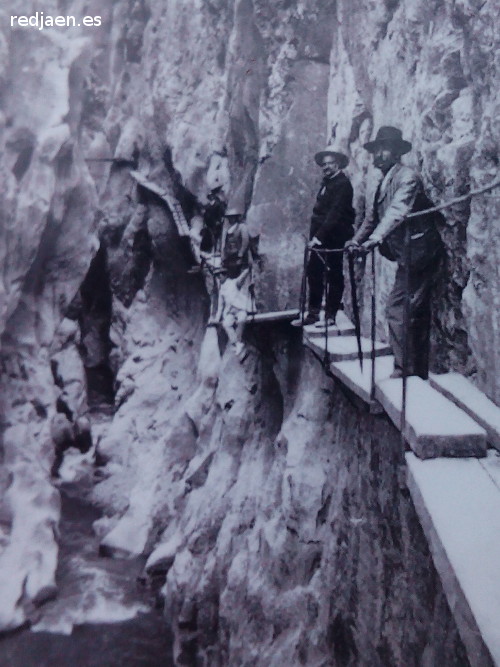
{"x":249,"y":333}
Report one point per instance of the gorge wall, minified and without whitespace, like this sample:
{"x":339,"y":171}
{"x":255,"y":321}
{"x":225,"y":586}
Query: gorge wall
{"x":268,"y":501}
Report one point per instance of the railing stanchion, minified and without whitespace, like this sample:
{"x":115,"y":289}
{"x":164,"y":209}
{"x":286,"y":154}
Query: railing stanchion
{"x":373,"y":328}
{"x":326,"y":291}
{"x":406,"y":337}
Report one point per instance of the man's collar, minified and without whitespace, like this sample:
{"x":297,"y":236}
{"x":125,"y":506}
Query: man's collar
{"x":387,"y":177}
{"x":328,"y":179}
{"x":391,"y":170}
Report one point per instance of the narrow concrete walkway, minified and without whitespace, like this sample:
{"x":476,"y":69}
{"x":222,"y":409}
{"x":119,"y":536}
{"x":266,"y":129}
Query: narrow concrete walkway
{"x":167,"y":197}
{"x":434,"y":424}
{"x":458,"y":503}
{"x":456,"y":491}
{"x":471,"y":400}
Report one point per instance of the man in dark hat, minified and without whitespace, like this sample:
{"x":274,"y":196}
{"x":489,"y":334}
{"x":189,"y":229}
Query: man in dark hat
{"x":400,"y":193}
{"x":213,"y":216}
{"x":331,"y":226}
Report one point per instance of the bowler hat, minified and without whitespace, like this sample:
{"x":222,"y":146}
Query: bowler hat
{"x":236,"y":203}
{"x":233,"y":210}
{"x":389,"y":135}
{"x":331,"y":150}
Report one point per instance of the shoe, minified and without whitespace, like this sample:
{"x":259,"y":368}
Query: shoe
{"x":397,"y":373}
{"x":310,"y":318}
{"x":330,"y":322}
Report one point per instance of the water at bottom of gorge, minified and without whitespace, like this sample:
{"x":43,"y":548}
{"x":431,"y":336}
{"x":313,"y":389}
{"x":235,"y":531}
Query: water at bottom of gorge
{"x":102,"y":617}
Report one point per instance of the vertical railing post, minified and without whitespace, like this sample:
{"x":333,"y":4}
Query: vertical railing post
{"x":355,"y":308}
{"x":303,"y":287}
{"x":373,"y":330}
{"x":326,"y":292}
{"x":406,"y":326}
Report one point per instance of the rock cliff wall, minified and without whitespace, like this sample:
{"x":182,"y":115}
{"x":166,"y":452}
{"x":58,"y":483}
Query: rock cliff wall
{"x":48,"y":205}
{"x":298,"y":546}
{"x":266,"y":486}
{"x":429,"y":68}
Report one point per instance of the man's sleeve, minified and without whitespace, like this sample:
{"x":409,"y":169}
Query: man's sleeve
{"x":339,"y":206}
{"x":365,"y":229}
{"x":245,"y":241}
{"x":400,"y":206}
{"x":368,"y":224}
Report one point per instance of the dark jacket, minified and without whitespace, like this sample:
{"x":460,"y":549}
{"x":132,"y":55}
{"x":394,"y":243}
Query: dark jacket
{"x":400,"y":194}
{"x":333,"y":215}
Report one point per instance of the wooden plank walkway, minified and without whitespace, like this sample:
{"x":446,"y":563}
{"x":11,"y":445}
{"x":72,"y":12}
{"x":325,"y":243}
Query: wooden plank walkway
{"x":183,"y":228}
{"x":343,"y":327}
{"x":281,"y":315}
{"x":457,"y":501}
{"x":167,"y":197}
{"x":345,"y":348}
{"x":359,"y":381}
{"x":434,"y":425}
{"x":456,"y":491}
{"x":471,"y":400}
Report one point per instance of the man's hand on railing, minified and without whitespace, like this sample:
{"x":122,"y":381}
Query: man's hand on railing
{"x":314,"y":243}
{"x":370,"y":244}
{"x":352,"y":246}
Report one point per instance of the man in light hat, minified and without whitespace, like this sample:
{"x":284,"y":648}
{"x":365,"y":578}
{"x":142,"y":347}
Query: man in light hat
{"x":237,"y":248}
{"x":236,"y":295}
{"x":331,"y":226}
{"x":400,"y":193}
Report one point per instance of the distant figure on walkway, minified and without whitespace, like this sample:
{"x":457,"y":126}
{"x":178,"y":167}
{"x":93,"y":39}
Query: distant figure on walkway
{"x":236,"y":295}
{"x":237,"y":247}
{"x":235,"y":304}
{"x":400,"y":193}
{"x":331,"y":226}
{"x":206,"y":230}
{"x":213,"y":218}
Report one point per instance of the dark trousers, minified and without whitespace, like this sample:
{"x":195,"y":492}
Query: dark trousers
{"x":421,"y":281}
{"x":316,"y":270}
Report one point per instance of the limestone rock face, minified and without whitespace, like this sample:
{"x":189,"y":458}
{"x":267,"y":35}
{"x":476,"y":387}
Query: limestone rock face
{"x":271,"y":505}
{"x":47,"y":205}
{"x":298,"y":547}
{"x":429,"y":68}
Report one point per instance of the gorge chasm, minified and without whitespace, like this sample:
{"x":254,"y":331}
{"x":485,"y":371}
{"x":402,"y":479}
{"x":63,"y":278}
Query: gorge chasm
{"x":262,"y":500}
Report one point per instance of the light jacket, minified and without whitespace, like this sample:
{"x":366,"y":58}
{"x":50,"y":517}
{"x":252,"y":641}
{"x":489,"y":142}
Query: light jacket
{"x":400,"y":193}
